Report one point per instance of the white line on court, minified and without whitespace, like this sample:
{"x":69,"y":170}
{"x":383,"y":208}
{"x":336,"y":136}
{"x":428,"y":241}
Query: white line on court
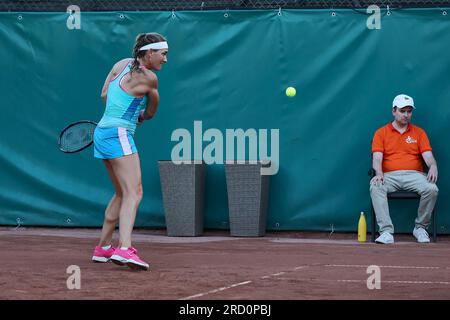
{"x":216,"y":290}
{"x":238,"y":284}
{"x":298,"y":268}
{"x":365,"y":266}
{"x":365,"y":281}
{"x":138,"y":237}
{"x":326,"y":280}
{"x":400,"y":281}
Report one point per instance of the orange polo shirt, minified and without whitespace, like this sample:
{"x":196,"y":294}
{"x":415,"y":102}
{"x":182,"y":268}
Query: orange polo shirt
{"x":401,"y":151}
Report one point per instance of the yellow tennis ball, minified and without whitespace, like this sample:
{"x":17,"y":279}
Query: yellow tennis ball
{"x":291,"y":92}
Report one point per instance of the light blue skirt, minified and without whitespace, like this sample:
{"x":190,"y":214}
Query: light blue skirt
{"x":110,"y":143}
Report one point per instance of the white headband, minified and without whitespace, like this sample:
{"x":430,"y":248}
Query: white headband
{"x":155,"y":46}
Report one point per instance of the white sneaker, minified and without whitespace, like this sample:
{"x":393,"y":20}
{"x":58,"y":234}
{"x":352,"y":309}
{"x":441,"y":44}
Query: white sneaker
{"x":421,"y":235}
{"x":385,"y":238}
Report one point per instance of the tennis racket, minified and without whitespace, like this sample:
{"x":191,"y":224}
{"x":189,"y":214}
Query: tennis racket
{"x":77,"y":136}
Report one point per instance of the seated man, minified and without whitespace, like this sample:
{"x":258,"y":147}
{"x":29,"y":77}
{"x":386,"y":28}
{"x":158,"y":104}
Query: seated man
{"x":397,"y":149}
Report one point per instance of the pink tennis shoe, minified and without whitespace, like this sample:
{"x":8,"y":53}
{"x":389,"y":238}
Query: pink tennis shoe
{"x":102,"y":255}
{"x":130,"y":258}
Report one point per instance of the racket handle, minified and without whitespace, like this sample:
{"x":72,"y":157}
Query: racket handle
{"x":141,"y":116}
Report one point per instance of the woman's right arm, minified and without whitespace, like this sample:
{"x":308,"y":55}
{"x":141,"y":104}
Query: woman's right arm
{"x":152,"y":98}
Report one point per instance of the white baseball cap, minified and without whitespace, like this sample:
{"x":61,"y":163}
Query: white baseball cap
{"x":402,"y":100}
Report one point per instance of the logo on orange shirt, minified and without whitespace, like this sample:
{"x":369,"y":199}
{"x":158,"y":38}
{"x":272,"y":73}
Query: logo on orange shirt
{"x":410,"y":140}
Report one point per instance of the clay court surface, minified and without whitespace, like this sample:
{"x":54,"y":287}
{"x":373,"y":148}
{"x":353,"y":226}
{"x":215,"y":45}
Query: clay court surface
{"x":215,"y":266}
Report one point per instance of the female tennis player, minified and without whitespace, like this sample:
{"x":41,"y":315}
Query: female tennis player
{"x":131,"y":96}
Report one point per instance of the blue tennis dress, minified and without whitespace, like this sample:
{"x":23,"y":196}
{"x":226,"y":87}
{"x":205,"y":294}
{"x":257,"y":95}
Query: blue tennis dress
{"x":113,"y":136}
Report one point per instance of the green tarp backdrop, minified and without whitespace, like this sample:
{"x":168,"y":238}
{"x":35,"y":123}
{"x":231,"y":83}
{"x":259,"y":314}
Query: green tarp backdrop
{"x":229,"y":70}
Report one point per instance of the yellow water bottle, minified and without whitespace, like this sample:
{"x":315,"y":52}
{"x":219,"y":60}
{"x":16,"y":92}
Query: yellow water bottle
{"x":362,"y":228}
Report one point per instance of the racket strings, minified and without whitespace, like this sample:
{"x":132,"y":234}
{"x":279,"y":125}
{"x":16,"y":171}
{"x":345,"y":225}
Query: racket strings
{"x":77,"y":137}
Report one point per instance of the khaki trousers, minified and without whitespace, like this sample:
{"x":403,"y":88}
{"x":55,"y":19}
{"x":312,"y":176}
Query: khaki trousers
{"x":406,"y":180}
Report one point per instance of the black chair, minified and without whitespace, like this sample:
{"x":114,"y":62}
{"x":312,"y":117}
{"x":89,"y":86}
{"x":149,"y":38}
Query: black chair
{"x":400,"y":195}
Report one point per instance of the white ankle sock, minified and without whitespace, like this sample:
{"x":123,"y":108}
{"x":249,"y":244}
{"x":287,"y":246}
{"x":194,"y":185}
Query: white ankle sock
{"x":123,"y":248}
{"x":106,"y":247}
